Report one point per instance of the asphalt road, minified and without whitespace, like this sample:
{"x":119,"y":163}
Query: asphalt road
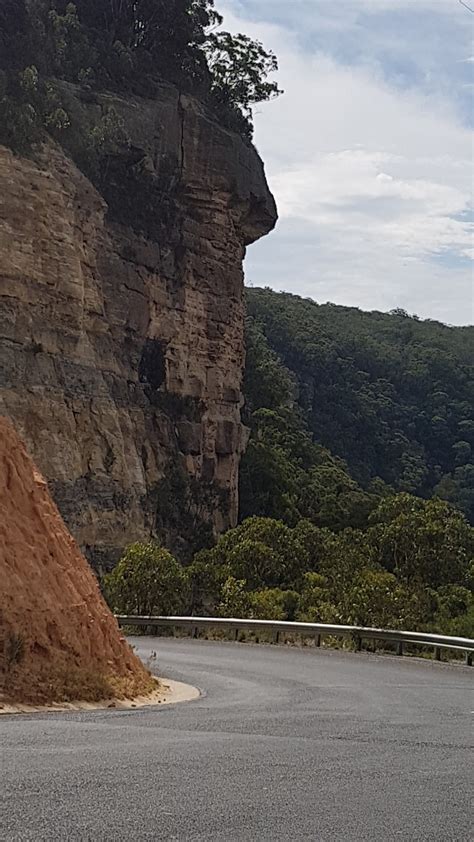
{"x":285,"y":744}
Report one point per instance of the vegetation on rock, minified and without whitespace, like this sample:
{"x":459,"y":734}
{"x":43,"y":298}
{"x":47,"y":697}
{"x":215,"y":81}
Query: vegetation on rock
{"x":126,"y":46}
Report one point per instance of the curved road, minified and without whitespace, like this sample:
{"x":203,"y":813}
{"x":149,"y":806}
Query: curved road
{"x":286,"y":744}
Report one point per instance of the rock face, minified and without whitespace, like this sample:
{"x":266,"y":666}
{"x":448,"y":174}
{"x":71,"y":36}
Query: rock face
{"x":121,"y":323}
{"x":58,"y":639}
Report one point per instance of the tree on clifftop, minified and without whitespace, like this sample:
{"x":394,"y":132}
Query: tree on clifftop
{"x":239,"y":68}
{"x":128,"y":45}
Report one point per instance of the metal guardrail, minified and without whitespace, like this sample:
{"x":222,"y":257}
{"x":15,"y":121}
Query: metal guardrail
{"x":316,"y":630}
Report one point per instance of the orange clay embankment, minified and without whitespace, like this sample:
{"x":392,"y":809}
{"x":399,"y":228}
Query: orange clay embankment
{"x":58,"y":640}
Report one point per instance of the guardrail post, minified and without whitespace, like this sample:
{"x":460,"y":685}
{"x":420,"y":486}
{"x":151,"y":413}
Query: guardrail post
{"x":437,"y":653}
{"x":276,"y":636}
{"x":317,"y":640}
{"x":469,"y":659}
{"x":194,"y":632}
{"x":358,"y":642}
{"x":236,"y":635}
{"x":400,"y":647}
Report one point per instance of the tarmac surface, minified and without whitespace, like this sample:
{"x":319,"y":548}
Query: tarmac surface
{"x":283,"y":744}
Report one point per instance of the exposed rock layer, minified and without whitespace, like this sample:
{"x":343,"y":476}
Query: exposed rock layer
{"x":121,"y":323}
{"x":58,"y":639}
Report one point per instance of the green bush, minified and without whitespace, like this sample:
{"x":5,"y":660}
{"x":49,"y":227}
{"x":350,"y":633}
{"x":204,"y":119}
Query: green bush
{"x":274,"y":604}
{"x":235,"y":601}
{"x":421,"y":540}
{"x":206,"y":582}
{"x":393,"y":574}
{"x":262,"y":552}
{"x":147,"y":580}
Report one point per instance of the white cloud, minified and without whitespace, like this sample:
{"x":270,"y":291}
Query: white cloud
{"x":349,"y":191}
{"x":373,"y":185}
{"x":431,"y":6}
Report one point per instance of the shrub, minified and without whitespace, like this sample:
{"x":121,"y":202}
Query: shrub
{"x":274,"y":604}
{"x":147,"y":580}
{"x":14,"y":650}
{"x":263,"y":552}
{"x":235,"y":601}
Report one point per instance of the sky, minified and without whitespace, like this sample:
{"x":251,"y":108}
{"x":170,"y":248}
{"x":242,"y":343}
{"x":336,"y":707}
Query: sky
{"x":368,"y":153}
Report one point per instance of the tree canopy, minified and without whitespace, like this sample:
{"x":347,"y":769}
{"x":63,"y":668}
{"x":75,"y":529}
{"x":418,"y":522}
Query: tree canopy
{"x":412,"y":568}
{"x":386,"y":398}
{"x":147,"y":580}
{"x":124,"y":45}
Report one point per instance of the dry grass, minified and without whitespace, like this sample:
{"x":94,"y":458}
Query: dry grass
{"x":35,"y":681}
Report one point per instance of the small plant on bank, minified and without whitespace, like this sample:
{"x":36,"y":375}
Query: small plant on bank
{"x":14,"y":651}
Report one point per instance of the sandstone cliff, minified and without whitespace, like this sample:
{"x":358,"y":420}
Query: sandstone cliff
{"x":58,"y":639}
{"x":121,"y":323}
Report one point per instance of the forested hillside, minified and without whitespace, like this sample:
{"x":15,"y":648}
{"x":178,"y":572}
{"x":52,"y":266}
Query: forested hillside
{"x":390,"y":395}
{"x":354,"y":419}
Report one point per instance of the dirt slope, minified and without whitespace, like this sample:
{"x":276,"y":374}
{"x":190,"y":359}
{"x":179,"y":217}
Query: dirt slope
{"x":58,"y":639}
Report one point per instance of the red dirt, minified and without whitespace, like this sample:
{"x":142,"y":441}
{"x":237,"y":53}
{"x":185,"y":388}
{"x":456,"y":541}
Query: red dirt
{"x":58,"y":639}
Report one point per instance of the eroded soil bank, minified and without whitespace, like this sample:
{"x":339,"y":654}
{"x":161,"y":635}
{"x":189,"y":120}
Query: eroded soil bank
{"x":58,"y":640}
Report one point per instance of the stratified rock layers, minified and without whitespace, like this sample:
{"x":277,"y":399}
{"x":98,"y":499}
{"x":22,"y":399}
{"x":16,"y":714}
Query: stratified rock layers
{"x":121,"y":323}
